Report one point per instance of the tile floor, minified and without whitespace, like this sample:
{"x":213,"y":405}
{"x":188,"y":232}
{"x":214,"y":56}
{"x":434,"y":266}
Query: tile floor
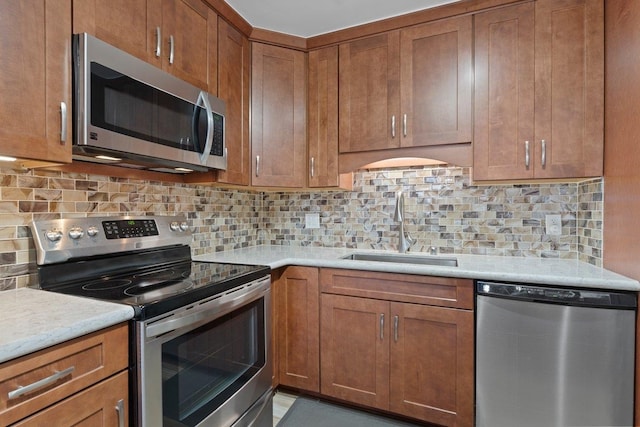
{"x":282,"y":401}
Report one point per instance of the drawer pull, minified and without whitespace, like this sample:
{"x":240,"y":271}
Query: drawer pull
{"x":404,"y":125}
{"x":40,"y":384}
{"x":396,"y":320}
{"x":120,"y":412}
{"x":393,"y":126}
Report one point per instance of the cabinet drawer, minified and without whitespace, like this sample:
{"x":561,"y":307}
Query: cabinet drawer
{"x":441,"y":291}
{"x":70,"y":367}
{"x":95,"y":406}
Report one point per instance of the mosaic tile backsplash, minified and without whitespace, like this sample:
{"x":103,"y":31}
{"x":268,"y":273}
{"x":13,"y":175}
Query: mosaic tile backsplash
{"x":442,"y":208}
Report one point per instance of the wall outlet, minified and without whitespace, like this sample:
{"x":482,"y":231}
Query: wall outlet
{"x":312,"y":220}
{"x":553,"y":225}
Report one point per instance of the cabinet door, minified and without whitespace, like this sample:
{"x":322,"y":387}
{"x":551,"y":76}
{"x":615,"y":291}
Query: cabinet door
{"x":569,"y":93}
{"x":504,"y":93}
{"x":190,"y":30}
{"x":323,"y":118}
{"x":436,"y":75}
{"x":278,"y":122}
{"x":354,"y":338}
{"x":35,"y":78}
{"x":369,"y":93}
{"x":128,"y":25}
{"x":93,"y":407}
{"x":298,"y":308}
{"x":432,"y":369}
{"x":233,"y":88}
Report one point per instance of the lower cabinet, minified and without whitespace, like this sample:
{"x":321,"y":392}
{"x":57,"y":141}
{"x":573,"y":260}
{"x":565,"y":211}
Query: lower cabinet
{"x":355,"y":349}
{"x":395,"y":342}
{"x":79,"y":382}
{"x":297,"y":328}
{"x":408,"y":358}
{"x":95,"y":406}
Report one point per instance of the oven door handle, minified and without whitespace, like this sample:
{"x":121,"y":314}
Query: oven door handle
{"x":210,"y":310}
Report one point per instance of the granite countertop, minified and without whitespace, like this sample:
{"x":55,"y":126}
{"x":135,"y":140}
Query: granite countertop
{"x":34,"y":319}
{"x":547,"y":271}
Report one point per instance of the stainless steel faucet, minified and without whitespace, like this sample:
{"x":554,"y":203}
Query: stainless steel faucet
{"x":405,"y":240}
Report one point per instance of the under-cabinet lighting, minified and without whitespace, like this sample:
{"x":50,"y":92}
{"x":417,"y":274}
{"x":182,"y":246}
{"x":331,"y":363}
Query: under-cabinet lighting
{"x":7,"y":159}
{"x":183,"y":170}
{"x":113,"y":159}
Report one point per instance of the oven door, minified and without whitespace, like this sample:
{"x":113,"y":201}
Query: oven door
{"x":207,"y":364}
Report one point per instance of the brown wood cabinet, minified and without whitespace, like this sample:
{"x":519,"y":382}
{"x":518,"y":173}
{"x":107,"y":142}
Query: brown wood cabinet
{"x":369,"y":93}
{"x":431,"y":363}
{"x":35,"y":80}
{"x":74,"y":368}
{"x":92,"y":407}
{"x":407,"y":88}
{"x":323,"y":118}
{"x":233,"y":87}
{"x":621,"y":173}
{"x":278,"y":116}
{"x":298,"y":338}
{"x":179,"y":36}
{"x":382,"y":346}
{"x":354,"y":362}
{"x":436,"y":83}
{"x":539,"y":91}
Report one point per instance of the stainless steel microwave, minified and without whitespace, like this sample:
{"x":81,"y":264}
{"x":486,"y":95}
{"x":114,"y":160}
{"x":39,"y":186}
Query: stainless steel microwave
{"x":129,"y":113}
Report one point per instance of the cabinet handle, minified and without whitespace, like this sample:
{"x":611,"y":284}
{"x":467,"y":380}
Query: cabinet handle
{"x":396,"y":320}
{"x":544,"y":153}
{"x":527,"y":157}
{"x":63,"y":118}
{"x":393,"y":126}
{"x":120,"y":412}
{"x":381,"y":326}
{"x":171,"y":49}
{"x":257,"y":165}
{"x":313,"y":167}
{"x":404,"y":125}
{"x":158,"y":42}
{"x":40,"y":383}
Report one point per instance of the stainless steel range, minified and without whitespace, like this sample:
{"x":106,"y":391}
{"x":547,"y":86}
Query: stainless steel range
{"x":201,"y":334}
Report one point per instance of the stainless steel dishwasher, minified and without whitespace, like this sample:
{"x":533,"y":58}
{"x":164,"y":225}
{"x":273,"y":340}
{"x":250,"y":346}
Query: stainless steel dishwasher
{"x":554,"y":356}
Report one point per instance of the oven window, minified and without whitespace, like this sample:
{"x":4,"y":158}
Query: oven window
{"x":203,"y":368}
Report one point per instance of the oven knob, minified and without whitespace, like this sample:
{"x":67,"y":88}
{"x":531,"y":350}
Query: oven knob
{"x":92,"y":231}
{"x":54,"y":235}
{"x":184,"y":226}
{"x":175,"y":226}
{"x":76,"y":232}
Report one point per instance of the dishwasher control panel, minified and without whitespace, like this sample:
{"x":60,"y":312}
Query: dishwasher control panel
{"x":557,"y":295}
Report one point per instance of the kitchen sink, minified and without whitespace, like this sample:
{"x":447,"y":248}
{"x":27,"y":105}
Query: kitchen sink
{"x":404,"y":259}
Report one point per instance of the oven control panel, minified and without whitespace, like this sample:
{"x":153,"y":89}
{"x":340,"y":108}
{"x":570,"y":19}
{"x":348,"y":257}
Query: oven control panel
{"x":60,"y":240}
{"x":123,"y":229}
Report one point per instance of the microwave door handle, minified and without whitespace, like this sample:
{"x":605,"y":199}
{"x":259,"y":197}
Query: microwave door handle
{"x":209,"y":142}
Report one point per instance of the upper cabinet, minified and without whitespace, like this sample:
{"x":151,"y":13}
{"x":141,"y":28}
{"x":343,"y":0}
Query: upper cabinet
{"x":278,"y":116}
{"x":369,"y":93}
{"x":179,"y":36}
{"x":233,"y":87}
{"x":436,"y":83}
{"x":323,"y":118}
{"x":35,"y":80}
{"x":539,"y":93}
{"x":407,"y":88}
